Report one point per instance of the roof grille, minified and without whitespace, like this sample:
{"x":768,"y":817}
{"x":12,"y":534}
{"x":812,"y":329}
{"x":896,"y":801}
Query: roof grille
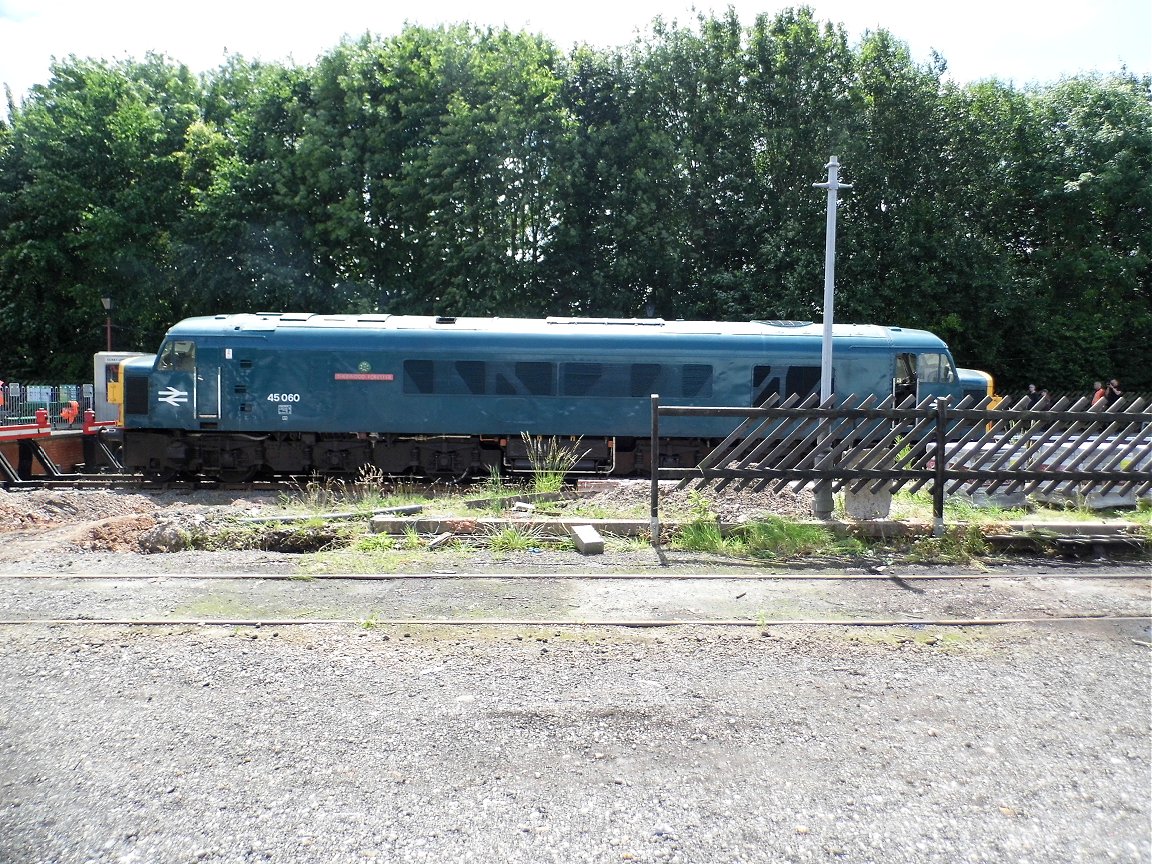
{"x":634,"y":322}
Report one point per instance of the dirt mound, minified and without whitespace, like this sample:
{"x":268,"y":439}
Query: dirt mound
{"x":43,"y":508}
{"x":728,"y":505}
{"x":118,"y":534}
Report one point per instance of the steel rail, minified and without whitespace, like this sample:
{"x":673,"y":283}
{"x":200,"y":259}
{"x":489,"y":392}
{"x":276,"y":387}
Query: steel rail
{"x":651,"y":577}
{"x":564,"y":622}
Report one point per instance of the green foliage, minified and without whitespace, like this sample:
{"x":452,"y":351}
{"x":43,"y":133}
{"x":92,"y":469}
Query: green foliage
{"x":458,"y":170}
{"x":700,"y":507}
{"x":372,"y":543}
{"x":371,"y":490}
{"x":313,"y":535}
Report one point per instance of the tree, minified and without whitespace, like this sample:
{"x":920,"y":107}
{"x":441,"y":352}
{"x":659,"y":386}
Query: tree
{"x":91,"y":189}
{"x":1089,"y":191}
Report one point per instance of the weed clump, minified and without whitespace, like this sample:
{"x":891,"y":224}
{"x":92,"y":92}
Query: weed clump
{"x":551,"y":461}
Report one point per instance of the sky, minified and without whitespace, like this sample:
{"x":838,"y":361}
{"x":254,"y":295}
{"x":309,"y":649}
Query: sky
{"x":1018,"y":41}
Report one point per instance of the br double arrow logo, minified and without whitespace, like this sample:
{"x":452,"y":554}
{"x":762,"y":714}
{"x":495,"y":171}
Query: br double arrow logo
{"x":172,"y":396}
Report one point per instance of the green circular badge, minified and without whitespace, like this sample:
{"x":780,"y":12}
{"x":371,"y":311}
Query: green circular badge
{"x":365,"y":366}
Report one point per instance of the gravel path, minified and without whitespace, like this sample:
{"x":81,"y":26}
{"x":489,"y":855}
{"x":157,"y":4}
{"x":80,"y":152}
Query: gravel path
{"x":348,"y":745}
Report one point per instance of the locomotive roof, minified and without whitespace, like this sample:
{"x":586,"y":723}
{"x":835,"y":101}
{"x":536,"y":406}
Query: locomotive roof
{"x":264,"y":322}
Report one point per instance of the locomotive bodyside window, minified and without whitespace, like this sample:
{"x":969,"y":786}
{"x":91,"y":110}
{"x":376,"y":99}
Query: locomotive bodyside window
{"x":580,"y":379}
{"x":598,"y":380}
{"x":802,"y":381}
{"x":696,"y":381}
{"x":636,"y":380}
{"x":645,"y":379}
{"x":418,"y":376}
{"x":765,"y":385}
{"x":537,"y":378}
{"x":470,"y":374}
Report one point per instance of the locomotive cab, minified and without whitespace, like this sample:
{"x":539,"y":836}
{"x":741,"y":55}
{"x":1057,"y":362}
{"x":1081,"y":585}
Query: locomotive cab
{"x":922,"y":375}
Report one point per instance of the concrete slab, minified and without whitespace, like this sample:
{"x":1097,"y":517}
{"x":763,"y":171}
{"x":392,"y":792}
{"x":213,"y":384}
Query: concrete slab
{"x":587,"y":539}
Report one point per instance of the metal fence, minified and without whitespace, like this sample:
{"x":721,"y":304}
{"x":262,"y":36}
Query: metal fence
{"x":65,"y":403}
{"x":868,"y":446}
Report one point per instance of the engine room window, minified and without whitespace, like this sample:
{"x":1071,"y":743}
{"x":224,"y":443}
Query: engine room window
{"x":537,"y":378}
{"x":177,"y":355}
{"x":697,"y":381}
{"x":645,"y":379}
{"x":418,"y":376}
{"x":478,"y":378}
{"x":471,"y":375}
{"x":582,"y":379}
{"x":802,"y":381}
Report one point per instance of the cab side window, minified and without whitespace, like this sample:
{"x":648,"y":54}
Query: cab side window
{"x":934,"y":369}
{"x":177,"y":355}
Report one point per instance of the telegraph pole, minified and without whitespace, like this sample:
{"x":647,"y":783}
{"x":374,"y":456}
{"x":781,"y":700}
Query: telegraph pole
{"x":822,"y":500}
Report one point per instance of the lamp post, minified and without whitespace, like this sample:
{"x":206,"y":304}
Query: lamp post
{"x":106,"y":302}
{"x":822,"y":500}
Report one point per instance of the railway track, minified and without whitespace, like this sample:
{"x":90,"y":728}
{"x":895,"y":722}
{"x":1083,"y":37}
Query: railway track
{"x":138,"y":482}
{"x":573,"y":601}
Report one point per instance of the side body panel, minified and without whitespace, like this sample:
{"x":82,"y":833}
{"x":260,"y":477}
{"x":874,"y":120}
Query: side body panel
{"x":418,"y":376}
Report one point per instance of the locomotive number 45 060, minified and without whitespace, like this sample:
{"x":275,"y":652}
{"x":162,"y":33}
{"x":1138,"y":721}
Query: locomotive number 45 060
{"x":283,"y":397}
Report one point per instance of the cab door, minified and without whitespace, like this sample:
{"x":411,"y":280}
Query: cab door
{"x":173,"y":386}
{"x":207,"y":394}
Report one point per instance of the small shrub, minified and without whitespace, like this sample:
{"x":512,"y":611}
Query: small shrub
{"x":700,"y":507}
{"x":412,"y":539}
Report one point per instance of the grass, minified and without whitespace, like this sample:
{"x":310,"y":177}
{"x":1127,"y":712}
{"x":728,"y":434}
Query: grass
{"x":959,"y":544}
{"x":371,"y":490}
{"x":917,"y":506}
{"x":513,"y":539}
{"x":771,"y":538}
{"x":348,"y":547}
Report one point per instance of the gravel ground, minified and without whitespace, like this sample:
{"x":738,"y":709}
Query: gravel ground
{"x":335,"y":744}
{"x":339,"y":743}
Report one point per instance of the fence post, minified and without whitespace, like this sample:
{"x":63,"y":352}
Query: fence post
{"x":654,"y":473}
{"x":941,"y":463}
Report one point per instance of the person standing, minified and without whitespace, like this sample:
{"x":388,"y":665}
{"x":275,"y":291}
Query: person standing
{"x":1098,"y":392}
{"x":1113,"y":393}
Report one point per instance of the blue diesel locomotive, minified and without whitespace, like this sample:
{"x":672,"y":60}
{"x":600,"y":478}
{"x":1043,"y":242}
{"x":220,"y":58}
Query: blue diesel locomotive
{"x":236,"y":395}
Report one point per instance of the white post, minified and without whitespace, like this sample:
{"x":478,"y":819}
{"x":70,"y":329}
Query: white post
{"x":822,"y":501}
{"x":832,"y":186}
